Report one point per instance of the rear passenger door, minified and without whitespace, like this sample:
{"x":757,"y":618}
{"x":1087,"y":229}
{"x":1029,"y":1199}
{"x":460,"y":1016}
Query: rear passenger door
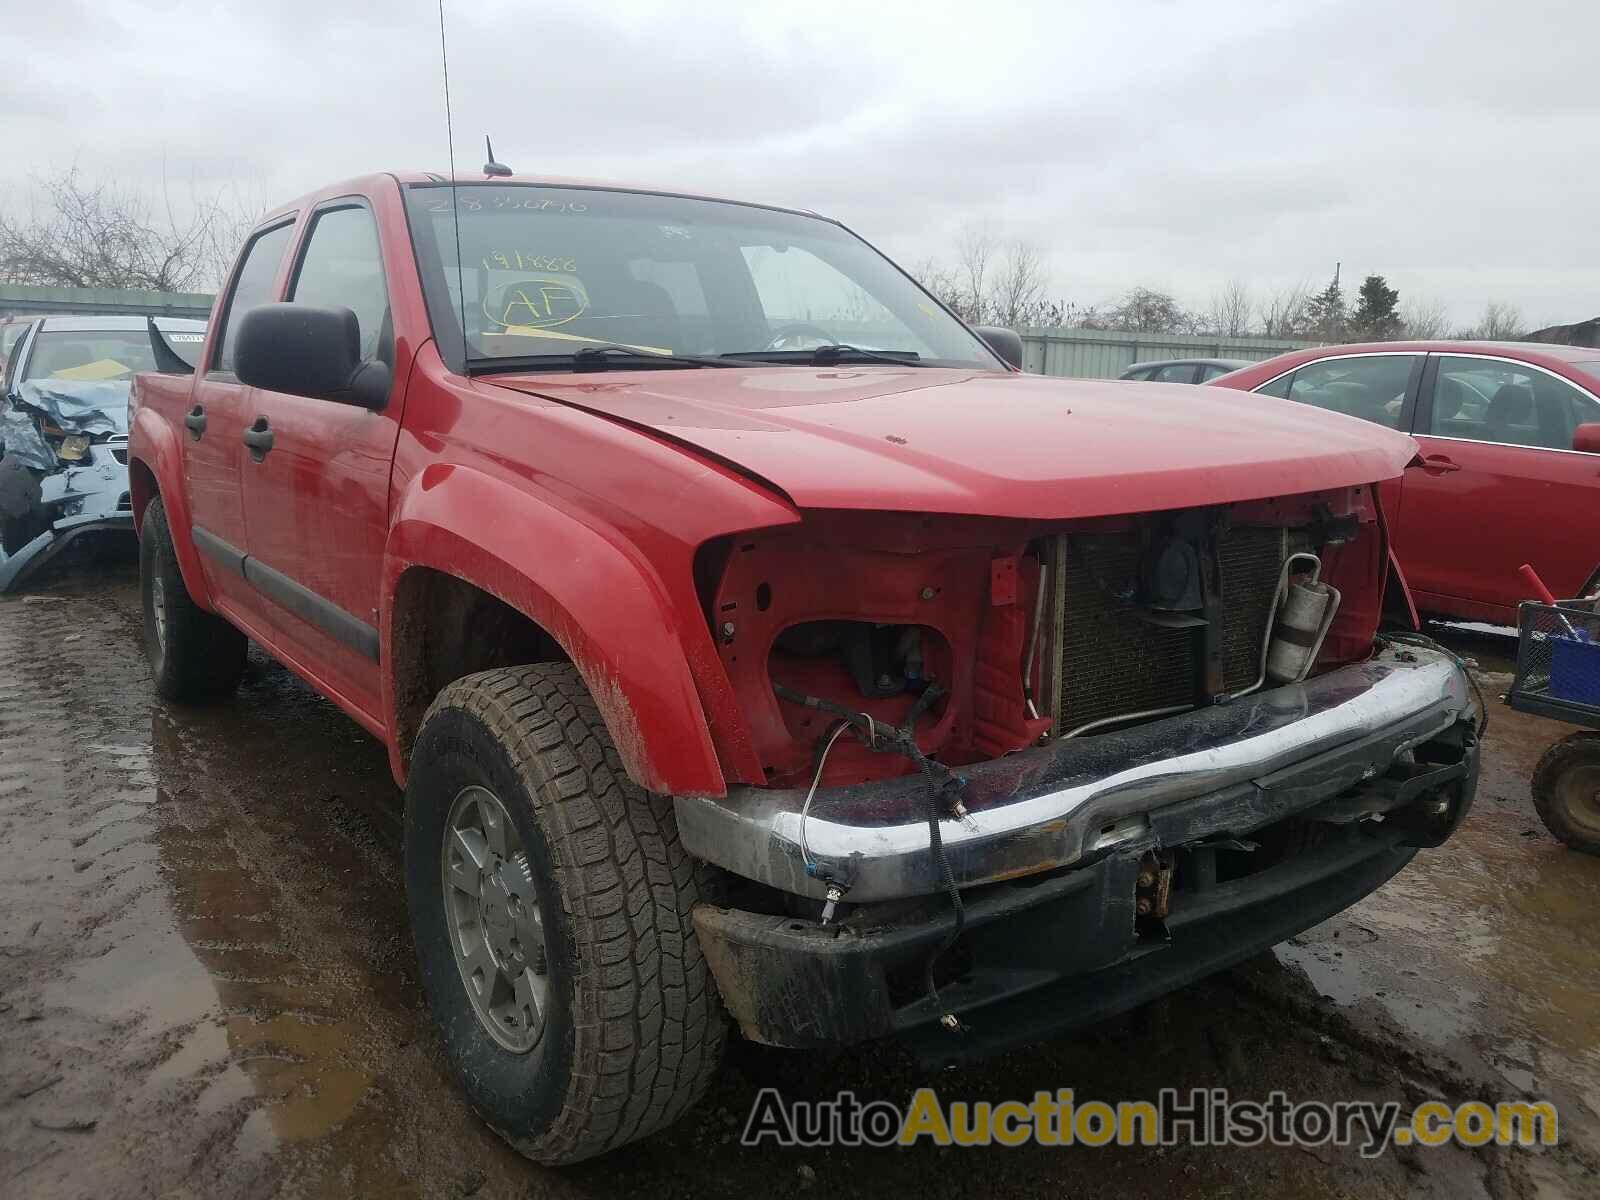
{"x":212,"y":426}
{"x":1499,"y":485}
{"x":316,"y":479}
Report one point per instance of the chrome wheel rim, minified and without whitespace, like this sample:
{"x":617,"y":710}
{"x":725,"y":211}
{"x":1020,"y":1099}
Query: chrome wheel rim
{"x":158,"y":608}
{"x":494,"y":921}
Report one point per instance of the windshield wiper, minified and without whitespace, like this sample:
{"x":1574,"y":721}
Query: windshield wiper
{"x":835,"y":352}
{"x":599,"y":358}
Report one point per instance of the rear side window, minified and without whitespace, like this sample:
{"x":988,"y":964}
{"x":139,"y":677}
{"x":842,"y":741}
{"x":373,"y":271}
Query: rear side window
{"x":252,"y":288}
{"x":343,"y":268}
{"x":1279,"y":387}
{"x":1176,"y":373}
{"x":1372,"y":387}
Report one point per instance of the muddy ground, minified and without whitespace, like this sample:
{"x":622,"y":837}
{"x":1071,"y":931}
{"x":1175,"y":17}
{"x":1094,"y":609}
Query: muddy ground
{"x":207,"y":985}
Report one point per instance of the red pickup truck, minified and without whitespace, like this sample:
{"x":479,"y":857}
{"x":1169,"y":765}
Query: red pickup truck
{"x":758,"y":647}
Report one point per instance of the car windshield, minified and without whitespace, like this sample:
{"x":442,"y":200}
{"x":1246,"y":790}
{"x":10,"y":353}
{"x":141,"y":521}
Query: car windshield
{"x":1591,"y":369}
{"x":89,"y":356}
{"x":547,"y":271}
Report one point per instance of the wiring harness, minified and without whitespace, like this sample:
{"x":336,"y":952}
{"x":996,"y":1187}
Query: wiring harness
{"x":944,"y":789}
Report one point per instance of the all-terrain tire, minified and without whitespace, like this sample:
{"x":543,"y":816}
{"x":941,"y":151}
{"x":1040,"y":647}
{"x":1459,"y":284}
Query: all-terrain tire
{"x":633,"y":1029}
{"x":194,"y":655}
{"x":1566,"y":791}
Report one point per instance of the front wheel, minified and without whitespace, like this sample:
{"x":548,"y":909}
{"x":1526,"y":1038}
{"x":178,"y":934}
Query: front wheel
{"x":1566,"y":791}
{"x":550,"y":900}
{"x":194,"y":655}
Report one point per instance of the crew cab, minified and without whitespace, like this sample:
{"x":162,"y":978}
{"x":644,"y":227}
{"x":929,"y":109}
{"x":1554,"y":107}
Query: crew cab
{"x":758,"y":648}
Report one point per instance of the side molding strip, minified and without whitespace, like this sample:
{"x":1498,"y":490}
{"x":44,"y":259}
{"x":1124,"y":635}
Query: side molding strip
{"x":215,"y":548}
{"x":287,"y":594}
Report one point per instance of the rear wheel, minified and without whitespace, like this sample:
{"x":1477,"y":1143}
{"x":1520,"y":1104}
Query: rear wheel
{"x":194,"y":655}
{"x":1566,"y":791}
{"x":550,"y":899}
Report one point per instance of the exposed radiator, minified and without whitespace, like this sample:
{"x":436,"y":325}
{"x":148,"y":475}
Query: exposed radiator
{"x":1107,"y":660}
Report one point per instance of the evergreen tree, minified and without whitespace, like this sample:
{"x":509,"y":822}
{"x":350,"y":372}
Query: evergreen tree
{"x":1325,"y":315}
{"x":1377,"y":315}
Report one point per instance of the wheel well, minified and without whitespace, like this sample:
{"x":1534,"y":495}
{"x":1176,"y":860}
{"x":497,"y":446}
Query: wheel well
{"x":142,"y":489}
{"x":445,"y":628}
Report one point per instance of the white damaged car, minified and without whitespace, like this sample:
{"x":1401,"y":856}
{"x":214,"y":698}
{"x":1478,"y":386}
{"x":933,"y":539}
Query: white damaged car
{"x":64,"y":431}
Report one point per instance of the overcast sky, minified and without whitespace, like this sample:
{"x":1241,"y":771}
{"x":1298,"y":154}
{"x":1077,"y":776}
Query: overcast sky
{"x":1447,"y":144}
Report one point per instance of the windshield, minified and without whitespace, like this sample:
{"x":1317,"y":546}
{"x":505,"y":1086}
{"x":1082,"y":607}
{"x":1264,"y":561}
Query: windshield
{"x":1590,"y":368}
{"x":92,"y":356}
{"x":548,"y":271}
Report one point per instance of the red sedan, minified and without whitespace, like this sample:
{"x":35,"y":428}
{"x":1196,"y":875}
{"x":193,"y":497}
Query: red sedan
{"x":1510,"y":471}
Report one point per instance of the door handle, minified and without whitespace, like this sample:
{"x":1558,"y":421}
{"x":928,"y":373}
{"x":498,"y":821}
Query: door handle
{"x":259,"y":438}
{"x":195,"y":421}
{"x":1438,"y":464}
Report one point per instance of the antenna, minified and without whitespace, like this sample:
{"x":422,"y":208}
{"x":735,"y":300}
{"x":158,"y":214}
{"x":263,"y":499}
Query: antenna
{"x":455,"y":208}
{"x":490,"y":167}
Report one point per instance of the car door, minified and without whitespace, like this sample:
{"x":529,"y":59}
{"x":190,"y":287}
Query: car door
{"x":212,"y":452}
{"x":316,"y":474}
{"x":1499,"y":485}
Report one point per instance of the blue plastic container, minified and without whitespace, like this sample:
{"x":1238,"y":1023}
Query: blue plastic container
{"x":1575,"y":671}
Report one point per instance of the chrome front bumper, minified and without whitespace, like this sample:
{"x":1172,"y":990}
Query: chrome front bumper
{"x":1287,"y":748}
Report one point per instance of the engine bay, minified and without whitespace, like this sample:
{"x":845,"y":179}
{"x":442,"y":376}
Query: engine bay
{"x":976,"y":638}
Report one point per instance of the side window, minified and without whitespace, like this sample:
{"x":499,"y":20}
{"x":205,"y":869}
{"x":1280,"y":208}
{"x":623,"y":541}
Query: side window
{"x":1176,"y":373}
{"x":252,"y":288}
{"x":342,"y":267}
{"x":1486,"y":400}
{"x":1279,"y":387}
{"x":10,"y":334}
{"x":12,"y":341}
{"x":1372,"y":387}
{"x":1209,"y":372}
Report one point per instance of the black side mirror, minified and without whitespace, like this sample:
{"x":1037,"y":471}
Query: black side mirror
{"x":308,"y":351}
{"x":1007,"y":343}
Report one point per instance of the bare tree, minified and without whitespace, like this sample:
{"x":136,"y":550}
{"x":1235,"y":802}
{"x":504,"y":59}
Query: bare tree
{"x":81,"y":233}
{"x":1424,"y":319}
{"x":1231,"y":310}
{"x":1501,"y":322}
{"x":1017,"y":291}
{"x":1283,"y":313}
{"x":939,"y":280}
{"x":1145,"y":310}
{"x":975,"y":247}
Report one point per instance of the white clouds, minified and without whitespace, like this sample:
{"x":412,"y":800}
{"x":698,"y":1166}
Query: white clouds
{"x":1442,"y":143}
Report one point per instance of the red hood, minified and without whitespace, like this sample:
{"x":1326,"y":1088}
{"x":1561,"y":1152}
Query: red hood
{"x":985,"y":443}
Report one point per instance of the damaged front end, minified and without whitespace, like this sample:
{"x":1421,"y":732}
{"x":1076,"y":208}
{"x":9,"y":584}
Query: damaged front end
{"x":1017,"y":777}
{"x":63,"y":471}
